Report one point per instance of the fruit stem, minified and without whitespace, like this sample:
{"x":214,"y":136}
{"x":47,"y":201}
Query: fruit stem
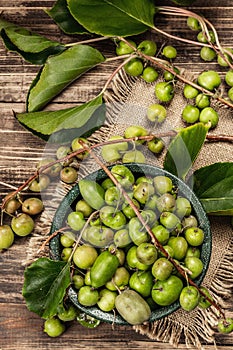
{"x":88,"y":41}
{"x":8,"y":185}
{"x":116,"y":70}
{"x":55,"y":233}
{"x":143,"y":222}
{"x":1,"y":219}
{"x":81,"y":233}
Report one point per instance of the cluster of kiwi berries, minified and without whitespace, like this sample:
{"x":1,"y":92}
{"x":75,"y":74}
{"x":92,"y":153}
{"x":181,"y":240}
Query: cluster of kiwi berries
{"x":117,"y":266}
{"x":128,"y":152}
{"x":210,"y":80}
{"x":199,"y":111}
{"x":199,"y":107}
{"x":139,"y":67}
{"x":208,"y":54}
{"x":22,"y":213}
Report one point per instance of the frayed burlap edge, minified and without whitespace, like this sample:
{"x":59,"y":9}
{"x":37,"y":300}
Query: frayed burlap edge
{"x":198,"y":327}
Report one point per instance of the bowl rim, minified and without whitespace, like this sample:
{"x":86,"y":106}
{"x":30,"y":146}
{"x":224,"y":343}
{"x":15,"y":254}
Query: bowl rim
{"x":139,"y":169}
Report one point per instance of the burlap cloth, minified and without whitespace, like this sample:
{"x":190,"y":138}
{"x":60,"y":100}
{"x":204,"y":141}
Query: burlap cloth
{"x":127,"y":100}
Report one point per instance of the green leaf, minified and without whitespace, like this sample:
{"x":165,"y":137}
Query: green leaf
{"x":58,"y":72}
{"x":113,"y":17}
{"x":32,"y":47}
{"x":83,"y":119}
{"x":45,"y":285}
{"x":5,"y":24}
{"x":184,"y":149}
{"x":213,"y":185}
{"x":26,"y":41}
{"x":63,"y":18}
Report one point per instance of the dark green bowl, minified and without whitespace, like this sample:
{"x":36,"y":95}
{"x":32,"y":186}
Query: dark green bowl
{"x":138,"y":170}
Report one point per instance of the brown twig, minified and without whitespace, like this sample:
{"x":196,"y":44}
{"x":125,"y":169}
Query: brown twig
{"x":129,"y":57}
{"x":219,"y":138}
{"x":18,"y":190}
{"x":55,"y":233}
{"x":204,"y":23}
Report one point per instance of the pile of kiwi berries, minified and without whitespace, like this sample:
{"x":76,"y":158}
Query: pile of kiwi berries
{"x":22,"y":213}
{"x":117,"y":265}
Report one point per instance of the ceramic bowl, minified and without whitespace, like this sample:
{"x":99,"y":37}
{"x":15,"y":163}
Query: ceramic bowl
{"x":138,"y":170}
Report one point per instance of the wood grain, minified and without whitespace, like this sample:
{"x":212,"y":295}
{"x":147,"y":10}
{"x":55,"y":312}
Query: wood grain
{"x":20,"y":151}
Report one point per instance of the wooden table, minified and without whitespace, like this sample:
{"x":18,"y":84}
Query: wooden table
{"x":20,"y":151}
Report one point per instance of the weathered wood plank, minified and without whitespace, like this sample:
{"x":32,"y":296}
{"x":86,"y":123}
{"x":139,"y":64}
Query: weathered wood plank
{"x":15,"y":85}
{"x":14,"y":335}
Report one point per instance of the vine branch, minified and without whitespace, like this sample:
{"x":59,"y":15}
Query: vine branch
{"x":204,"y":23}
{"x":160,"y":64}
{"x":42,"y":169}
